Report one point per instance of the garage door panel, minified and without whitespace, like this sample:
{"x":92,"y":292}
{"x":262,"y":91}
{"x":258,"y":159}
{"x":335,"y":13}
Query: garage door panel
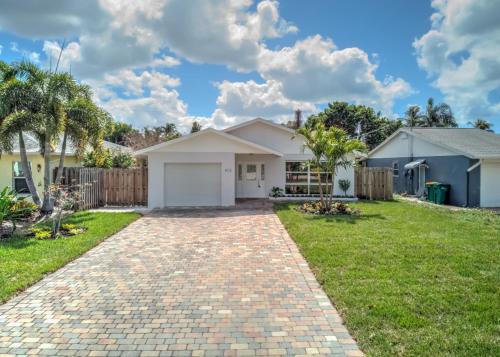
{"x":192,"y":184}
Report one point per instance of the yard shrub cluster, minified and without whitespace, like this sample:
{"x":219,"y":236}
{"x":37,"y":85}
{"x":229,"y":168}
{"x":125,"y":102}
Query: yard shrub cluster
{"x":337,"y":208}
{"x":108,"y":159}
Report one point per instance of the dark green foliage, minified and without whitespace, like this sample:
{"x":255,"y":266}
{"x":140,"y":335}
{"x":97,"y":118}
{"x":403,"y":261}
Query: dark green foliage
{"x":375,"y":128}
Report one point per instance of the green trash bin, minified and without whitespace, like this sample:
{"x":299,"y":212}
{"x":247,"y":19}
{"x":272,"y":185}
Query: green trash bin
{"x":441,"y":191}
{"x":431,"y":191}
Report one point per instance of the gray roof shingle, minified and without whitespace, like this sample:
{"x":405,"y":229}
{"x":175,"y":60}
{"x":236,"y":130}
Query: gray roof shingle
{"x":474,"y":143}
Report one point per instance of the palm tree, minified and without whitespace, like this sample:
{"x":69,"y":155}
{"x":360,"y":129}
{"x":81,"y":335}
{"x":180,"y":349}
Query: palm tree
{"x":481,"y":124}
{"x":413,"y":116}
{"x":19,"y":102}
{"x":196,"y":127}
{"x":85,"y":124}
{"x":315,"y":141}
{"x":338,"y":147}
{"x":439,"y":115}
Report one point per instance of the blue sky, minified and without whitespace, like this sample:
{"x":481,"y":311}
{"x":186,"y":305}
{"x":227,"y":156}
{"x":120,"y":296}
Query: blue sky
{"x":225,"y":61}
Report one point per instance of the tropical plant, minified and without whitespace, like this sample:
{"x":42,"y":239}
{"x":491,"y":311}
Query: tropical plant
{"x":344,"y":186}
{"x":19,"y":104}
{"x":338,"y":148}
{"x":276,"y":192}
{"x":10,"y":210}
{"x":439,"y":115}
{"x":481,"y":124}
{"x":315,"y":140}
{"x":413,"y":116}
{"x":195,"y":127}
{"x":99,"y":157}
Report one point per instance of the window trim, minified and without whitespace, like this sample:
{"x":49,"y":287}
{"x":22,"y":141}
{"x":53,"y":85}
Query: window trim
{"x":309,"y":173}
{"x":14,"y":177}
{"x":394,"y":170}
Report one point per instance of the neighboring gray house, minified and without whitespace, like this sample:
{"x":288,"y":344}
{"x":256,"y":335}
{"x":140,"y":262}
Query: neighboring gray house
{"x":467,"y":159}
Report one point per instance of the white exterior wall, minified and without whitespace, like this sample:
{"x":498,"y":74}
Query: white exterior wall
{"x":400,"y":145}
{"x":271,"y":137}
{"x":344,"y":174}
{"x":275,"y":169}
{"x":490,"y":180}
{"x":156,"y":172}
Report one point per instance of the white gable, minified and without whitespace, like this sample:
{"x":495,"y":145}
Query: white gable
{"x":210,"y":141}
{"x":399,"y":146}
{"x":270,"y":136}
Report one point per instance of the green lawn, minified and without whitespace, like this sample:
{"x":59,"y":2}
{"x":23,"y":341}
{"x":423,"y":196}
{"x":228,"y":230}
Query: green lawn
{"x":25,"y":261}
{"x":409,"y":279}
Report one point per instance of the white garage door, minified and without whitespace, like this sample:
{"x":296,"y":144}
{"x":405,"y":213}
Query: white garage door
{"x":192,"y":184}
{"x":490,"y":184}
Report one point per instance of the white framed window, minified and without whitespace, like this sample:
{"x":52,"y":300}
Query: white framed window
{"x":19,"y":178}
{"x":262,"y":172}
{"x":395,"y":168}
{"x":302,"y":179}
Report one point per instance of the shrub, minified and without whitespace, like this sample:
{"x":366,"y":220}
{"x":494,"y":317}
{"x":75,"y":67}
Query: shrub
{"x":24,"y":209}
{"x":338,"y":208}
{"x":344,"y":186}
{"x":276,"y":192}
{"x":41,"y":233}
{"x":123,"y":160}
{"x":11,"y":207}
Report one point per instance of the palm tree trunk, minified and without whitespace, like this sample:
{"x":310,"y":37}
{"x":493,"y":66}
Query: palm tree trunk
{"x":331,"y":189}
{"x":27,"y":170}
{"x":61,"y":159}
{"x":47,"y":205}
{"x":318,"y":171}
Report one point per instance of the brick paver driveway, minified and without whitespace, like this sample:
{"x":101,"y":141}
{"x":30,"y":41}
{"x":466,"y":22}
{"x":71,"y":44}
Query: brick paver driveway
{"x":184,"y":283}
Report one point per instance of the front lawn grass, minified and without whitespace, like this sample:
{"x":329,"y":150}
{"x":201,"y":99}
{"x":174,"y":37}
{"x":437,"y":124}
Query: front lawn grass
{"x":409,"y":279}
{"x":24,"y":261}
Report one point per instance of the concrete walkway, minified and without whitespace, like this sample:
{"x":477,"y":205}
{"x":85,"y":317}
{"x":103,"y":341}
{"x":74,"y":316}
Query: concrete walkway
{"x":181,"y":283}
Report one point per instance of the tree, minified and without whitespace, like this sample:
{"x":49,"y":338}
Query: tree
{"x":357,"y":121}
{"x":439,"y":115}
{"x":18,"y":104}
{"x":151,"y":136}
{"x":481,"y":124}
{"x":84,"y":123}
{"x":196,"y":127}
{"x":315,"y":141}
{"x":117,"y":132}
{"x":338,"y":148}
{"x":413,"y":116}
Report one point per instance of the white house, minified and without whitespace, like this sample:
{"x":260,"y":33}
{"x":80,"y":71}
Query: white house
{"x":466,"y":159}
{"x":214,"y":167}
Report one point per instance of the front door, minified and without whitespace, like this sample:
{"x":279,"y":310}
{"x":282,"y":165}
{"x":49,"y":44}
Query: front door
{"x":250,"y":179}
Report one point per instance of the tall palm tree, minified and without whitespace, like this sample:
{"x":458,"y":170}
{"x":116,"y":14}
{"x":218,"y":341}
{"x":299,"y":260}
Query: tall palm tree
{"x":85,"y":124}
{"x":439,"y":115}
{"x":481,"y":124}
{"x":413,"y":116}
{"x":19,"y":104}
{"x":338,"y":147}
{"x":315,"y":141}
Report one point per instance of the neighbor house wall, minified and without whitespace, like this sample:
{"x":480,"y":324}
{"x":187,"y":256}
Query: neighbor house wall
{"x":490,"y":179}
{"x":156,"y":167}
{"x":445,"y":169}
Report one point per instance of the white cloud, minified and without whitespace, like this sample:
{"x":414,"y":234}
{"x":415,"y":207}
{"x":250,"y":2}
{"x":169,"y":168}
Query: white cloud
{"x":116,"y":45}
{"x":165,"y":61}
{"x":149,"y":98}
{"x":460,"y":52}
{"x":315,"y":70}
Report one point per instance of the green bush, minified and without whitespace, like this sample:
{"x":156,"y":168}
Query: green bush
{"x":24,"y":209}
{"x":107,"y":159}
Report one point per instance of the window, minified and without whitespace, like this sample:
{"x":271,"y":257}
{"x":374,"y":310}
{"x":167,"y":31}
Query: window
{"x":302,"y":179}
{"x":19,"y":178}
{"x":251,"y":172}
{"x":262,"y":172}
{"x":240,"y":172}
{"x":395,"y":168}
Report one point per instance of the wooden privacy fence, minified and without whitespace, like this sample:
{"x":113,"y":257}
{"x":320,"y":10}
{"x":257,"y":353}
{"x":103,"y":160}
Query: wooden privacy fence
{"x":374,"y":183}
{"x":107,"y":187}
